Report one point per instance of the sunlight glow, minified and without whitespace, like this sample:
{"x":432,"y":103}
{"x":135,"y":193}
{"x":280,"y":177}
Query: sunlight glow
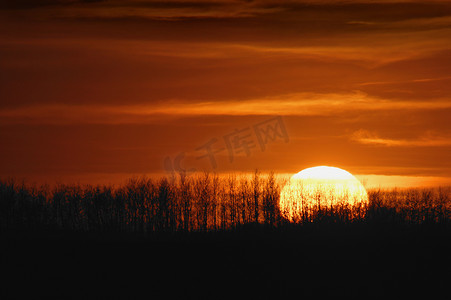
{"x":322,"y":189}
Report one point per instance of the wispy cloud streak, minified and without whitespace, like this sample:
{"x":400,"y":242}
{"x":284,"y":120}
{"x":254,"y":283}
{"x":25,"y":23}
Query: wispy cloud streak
{"x":368,"y":138}
{"x":303,"y":104}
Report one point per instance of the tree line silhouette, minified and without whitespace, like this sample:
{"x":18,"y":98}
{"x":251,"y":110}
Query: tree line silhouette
{"x":205,"y":202}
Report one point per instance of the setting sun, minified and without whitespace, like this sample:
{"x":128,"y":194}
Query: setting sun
{"x":321,"y":187}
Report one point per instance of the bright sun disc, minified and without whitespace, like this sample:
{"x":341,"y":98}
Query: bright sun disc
{"x":322,"y":188}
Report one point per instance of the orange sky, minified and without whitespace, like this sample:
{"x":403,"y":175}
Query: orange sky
{"x":100,"y":90}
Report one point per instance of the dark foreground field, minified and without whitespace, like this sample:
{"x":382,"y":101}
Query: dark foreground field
{"x":143,"y":242}
{"x":250,"y":262}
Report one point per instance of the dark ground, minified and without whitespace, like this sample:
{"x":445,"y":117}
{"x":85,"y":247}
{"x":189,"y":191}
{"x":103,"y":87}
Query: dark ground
{"x":256,"y":263}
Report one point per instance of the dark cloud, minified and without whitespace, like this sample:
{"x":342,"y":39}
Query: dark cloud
{"x":29,"y":4}
{"x":373,"y":11}
{"x":293,"y":13}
